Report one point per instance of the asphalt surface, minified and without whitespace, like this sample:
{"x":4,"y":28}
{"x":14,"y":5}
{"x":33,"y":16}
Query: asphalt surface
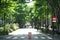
{"x":22,"y":34}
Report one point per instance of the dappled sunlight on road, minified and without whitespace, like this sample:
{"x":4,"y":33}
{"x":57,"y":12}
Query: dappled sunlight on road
{"x":35,"y":34}
{"x":22,"y":34}
{"x":24,"y":31}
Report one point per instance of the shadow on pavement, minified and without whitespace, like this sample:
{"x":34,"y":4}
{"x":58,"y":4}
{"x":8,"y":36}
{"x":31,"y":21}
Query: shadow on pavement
{"x":25,"y":37}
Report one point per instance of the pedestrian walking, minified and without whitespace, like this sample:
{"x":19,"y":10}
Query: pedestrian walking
{"x":29,"y":35}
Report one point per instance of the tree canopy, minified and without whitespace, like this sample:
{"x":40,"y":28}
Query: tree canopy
{"x":21,"y":12}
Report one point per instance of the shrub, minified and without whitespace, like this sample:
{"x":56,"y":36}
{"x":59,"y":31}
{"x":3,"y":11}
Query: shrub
{"x":5,"y":30}
{"x":8,"y":28}
{"x":1,"y":30}
{"x":14,"y":26}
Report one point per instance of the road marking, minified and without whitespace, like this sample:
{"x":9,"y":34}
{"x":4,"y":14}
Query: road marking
{"x":36,"y":37}
{"x":43,"y":37}
{"x":49,"y":37}
{"x":9,"y":37}
{"x":15,"y":38}
{"x":22,"y":37}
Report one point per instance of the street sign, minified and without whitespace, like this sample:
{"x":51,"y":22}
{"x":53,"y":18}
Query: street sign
{"x":54,"y":19}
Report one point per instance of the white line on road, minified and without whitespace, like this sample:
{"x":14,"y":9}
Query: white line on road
{"x":15,"y":38}
{"x":42,"y":37}
{"x":22,"y":37}
{"x":49,"y":37}
{"x":36,"y":37}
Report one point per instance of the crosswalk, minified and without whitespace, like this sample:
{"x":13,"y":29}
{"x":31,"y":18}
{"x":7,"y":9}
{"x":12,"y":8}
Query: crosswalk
{"x":22,"y":34}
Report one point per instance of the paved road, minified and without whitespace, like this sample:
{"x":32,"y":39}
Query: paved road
{"x":22,"y":34}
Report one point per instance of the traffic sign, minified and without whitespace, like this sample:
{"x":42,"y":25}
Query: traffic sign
{"x":54,"y":19}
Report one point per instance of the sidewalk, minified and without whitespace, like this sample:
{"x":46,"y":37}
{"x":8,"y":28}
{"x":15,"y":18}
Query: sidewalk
{"x":50,"y":33}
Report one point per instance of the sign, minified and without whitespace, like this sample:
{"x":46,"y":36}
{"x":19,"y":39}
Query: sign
{"x":54,"y":19}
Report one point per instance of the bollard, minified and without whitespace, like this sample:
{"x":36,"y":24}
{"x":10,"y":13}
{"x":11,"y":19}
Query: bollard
{"x":29,"y":35}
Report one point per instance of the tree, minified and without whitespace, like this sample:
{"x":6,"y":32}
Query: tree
{"x":55,"y":5}
{"x":7,"y":7}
